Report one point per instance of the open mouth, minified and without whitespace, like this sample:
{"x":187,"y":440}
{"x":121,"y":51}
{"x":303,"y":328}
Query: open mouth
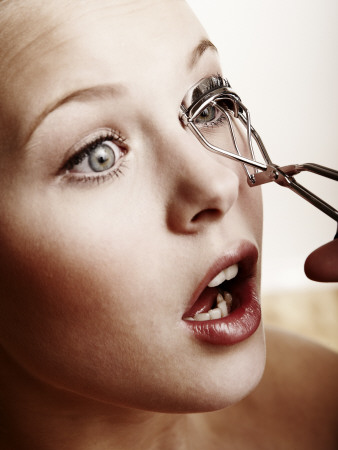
{"x":225,"y":308}
{"x":218,"y":289}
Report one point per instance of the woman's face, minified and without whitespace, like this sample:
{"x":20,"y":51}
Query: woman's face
{"x":112,"y":214}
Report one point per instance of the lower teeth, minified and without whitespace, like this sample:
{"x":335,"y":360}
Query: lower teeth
{"x":223,"y":308}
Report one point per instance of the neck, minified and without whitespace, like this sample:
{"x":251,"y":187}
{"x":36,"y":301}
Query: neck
{"x":44,"y":418}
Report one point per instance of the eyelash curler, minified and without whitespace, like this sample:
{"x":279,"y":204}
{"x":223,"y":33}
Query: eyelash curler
{"x":212,"y":119}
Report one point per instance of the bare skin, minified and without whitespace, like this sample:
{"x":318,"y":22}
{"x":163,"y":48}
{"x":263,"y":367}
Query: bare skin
{"x":295,"y":405}
{"x":96,"y":272}
{"x":322,"y":263}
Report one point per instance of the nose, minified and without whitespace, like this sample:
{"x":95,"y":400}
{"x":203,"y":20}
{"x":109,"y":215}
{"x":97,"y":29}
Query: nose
{"x":204,"y":186}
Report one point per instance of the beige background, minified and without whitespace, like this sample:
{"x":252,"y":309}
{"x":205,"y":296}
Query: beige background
{"x":281,"y":58}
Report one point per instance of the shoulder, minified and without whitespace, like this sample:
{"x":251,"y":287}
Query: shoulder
{"x":303,"y":363}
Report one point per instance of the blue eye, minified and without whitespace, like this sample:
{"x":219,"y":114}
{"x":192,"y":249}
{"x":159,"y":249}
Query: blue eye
{"x":207,"y":115}
{"x":99,"y":157}
{"x":211,"y":116}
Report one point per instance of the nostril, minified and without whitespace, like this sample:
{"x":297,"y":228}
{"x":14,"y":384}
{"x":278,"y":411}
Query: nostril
{"x":208,"y":215}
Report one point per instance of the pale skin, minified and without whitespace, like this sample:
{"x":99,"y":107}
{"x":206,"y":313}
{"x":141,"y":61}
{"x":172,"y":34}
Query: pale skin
{"x":96,"y":273}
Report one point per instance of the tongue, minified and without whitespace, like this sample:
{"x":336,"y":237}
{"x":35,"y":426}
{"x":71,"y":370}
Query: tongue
{"x":204,"y":302}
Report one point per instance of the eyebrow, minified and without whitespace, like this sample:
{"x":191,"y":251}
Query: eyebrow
{"x":81,"y":95}
{"x":198,"y":51}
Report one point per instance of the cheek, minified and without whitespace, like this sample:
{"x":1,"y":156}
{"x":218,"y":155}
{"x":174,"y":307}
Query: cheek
{"x":251,"y":207}
{"x":80,"y":303}
{"x":58,"y":276}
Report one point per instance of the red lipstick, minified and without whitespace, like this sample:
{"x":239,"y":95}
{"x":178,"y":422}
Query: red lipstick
{"x":245,"y":315}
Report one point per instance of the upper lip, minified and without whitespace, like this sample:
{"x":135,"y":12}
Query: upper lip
{"x":245,"y":254}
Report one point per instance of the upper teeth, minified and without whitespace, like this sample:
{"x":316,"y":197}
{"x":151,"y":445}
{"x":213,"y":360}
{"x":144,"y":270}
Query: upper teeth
{"x":227,"y":274}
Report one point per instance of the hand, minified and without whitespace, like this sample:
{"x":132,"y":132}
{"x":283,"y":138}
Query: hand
{"x":322,"y":264}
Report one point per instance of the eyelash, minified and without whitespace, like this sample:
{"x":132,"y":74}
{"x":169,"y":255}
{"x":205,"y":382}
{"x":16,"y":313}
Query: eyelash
{"x":211,"y":83}
{"x":207,"y":85}
{"x":86,"y":149}
{"x":216,"y":81}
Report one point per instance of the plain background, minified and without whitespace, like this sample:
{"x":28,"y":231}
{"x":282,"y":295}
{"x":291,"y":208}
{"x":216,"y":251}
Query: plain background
{"x":281,"y":58}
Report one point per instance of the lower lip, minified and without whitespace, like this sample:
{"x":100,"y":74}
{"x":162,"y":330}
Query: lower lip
{"x":237,"y":326}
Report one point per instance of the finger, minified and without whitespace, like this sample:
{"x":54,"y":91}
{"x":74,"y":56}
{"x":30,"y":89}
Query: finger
{"x":322,"y":264}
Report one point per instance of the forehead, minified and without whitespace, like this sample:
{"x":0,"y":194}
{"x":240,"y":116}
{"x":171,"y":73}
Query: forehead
{"x":51,"y":48}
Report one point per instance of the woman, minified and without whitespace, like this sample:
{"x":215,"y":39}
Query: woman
{"x":116,"y":226}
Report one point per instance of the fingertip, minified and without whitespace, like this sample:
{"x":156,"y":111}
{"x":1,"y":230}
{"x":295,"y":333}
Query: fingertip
{"x":322,"y":264}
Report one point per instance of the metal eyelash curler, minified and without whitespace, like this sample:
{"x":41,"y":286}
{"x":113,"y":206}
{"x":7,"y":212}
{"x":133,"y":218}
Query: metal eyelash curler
{"x":213,"y":120}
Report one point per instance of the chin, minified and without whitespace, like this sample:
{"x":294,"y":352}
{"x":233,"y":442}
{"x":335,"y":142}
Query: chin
{"x":234,"y":377}
{"x":210,"y":382}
